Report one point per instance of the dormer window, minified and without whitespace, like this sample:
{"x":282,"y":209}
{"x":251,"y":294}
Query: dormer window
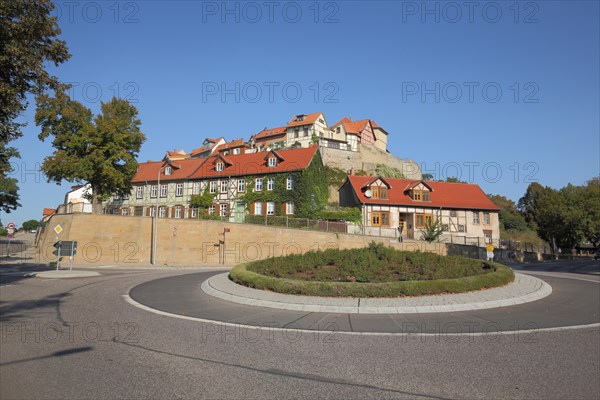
{"x":219,"y":167}
{"x":168,"y":171}
{"x":272,"y":162}
{"x":300,"y":118}
{"x":379,"y":192}
{"x":420,"y":195}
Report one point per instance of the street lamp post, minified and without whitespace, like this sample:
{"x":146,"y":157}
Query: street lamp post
{"x":155,"y":230}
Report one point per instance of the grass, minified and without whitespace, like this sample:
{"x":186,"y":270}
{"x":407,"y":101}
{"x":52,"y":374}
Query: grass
{"x":376,"y":271}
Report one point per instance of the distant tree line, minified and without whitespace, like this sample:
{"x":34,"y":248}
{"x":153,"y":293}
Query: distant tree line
{"x":564,"y":218}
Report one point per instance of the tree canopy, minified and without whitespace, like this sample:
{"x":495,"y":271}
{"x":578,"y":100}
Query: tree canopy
{"x":99,"y":150}
{"x":565,"y":217}
{"x":28,"y":42}
{"x":31,"y":225}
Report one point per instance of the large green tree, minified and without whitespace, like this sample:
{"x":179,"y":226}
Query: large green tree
{"x":510,"y":217}
{"x":99,"y":150}
{"x":31,"y":225}
{"x":28,"y":42}
{"x":554,"y":214}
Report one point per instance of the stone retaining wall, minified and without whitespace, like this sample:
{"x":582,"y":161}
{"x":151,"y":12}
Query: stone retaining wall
{"x":118,"y":240}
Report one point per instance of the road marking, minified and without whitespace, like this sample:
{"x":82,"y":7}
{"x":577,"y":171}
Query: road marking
{"x":134,"y":303}
{"x":559,"y":275}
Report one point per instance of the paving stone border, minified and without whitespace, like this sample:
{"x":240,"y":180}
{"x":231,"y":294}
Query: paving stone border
{"x":524,"y":289}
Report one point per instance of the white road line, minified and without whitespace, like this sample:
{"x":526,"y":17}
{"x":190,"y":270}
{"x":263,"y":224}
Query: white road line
{"x":166,"y":314}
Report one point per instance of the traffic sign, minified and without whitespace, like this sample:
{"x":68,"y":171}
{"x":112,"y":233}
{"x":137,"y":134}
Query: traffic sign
{"x":58,"y":229}
{"x":10,"y":236}
{"x":65,"y":248}
{"x":10,"y":231}
{"x":11,"y":225}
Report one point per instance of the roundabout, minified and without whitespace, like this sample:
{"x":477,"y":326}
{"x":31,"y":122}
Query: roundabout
{"x":572,"y":303}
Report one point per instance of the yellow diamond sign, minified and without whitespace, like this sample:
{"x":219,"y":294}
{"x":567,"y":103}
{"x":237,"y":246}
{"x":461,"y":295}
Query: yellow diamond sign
{"x":58,"y":229}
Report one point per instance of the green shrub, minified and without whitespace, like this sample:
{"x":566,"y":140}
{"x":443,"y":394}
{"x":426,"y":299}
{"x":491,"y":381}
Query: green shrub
{"x":376,"y":271}
{"x":343,"y":214}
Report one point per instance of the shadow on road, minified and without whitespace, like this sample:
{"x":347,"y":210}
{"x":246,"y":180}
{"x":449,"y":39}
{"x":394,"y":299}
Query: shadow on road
{"x":60,"y":353}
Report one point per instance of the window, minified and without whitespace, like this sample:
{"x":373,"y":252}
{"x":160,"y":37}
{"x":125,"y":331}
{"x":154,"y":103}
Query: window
{"x":289,"y":208}
{"x":194,"y":213}
{"x":241,"y":187}
{"x":486,"y":218}
{"x":179,"y":190}
{"x":168,"y":171}
{"x":212,"y":187}
{"x":223,"y":209}
{"x":270,"y":183}
{"x":305,"y":131}
{"x":162,"y":211}
{"x":139,"y":192}
{"x":423,"y":220}
{"x":488,"y":236}
{"x":321,"y":120}
{"x":270,"y":208}
{"x":153,"y":191}
{"x":223,"y":186}
{"x":289,"y":183}
{"x":219,"y":167}
{"x":296,"y":131}
{"x":380,"y":218}
{"x":211,"y":209}
{"x":476,"y":217}
{"x":258,"y":208}
{"x":124,"y":211}
{"x":272,"y":162}
{"x":259,"y":185}
{"x":196,"y":188}
{"x":299,"y":118}
{"x":453,"y":213}
{"x":178,"y":212}
{"x":138,"y":211}
{"x":379,"y":192}
{"x":115,"y":211}
{"x":236,"y":151}
{"x":461,"y":228}
{"x":152,"y":211}
{"x":163,"y":190}
{"x":446,"y":228}
{"x":337,"y":130}
{"x":420,"y":195}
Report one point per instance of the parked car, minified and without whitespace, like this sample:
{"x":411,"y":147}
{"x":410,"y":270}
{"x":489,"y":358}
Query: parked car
{"x":597,"y":255}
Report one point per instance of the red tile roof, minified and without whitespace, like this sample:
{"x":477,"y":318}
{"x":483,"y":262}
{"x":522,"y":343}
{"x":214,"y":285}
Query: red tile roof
{"x":269,"y":133}
{"x":255,"y":163}
{"x":356,"y":126}
{"x":48,"y":211}
{"x":181,"y":169}
{"x":231,"y":145}
{"x":308,"y":119}
{"x":444,"y":194}
{"x":341,"y":121}
{"x":202,"y":149}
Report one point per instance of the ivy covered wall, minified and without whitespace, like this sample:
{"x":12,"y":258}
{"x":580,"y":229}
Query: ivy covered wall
{"x":309,"y":193}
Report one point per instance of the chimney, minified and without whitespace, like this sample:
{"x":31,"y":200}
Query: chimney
{"x":351,"y":172}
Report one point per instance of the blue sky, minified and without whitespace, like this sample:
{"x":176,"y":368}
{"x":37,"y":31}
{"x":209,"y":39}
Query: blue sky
{"x":502,"y":93}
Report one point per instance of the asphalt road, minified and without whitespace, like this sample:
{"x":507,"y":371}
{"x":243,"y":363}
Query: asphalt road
{"x":81,"y":339}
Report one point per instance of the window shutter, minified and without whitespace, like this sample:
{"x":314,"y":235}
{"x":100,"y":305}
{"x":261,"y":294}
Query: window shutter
{"x":284,"y":208}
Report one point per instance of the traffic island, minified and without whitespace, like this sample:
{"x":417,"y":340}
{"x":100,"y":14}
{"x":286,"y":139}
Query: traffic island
{"x":376,"y":280}
{"x":523,"y":289}
{"x":375,"y":271}
{"x":64,"y":274}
